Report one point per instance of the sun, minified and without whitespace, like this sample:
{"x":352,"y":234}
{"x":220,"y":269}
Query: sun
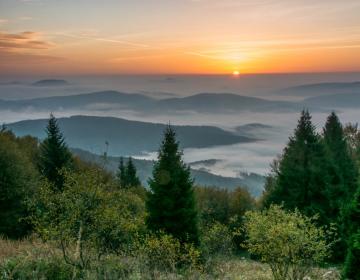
{"x":236,"y":73}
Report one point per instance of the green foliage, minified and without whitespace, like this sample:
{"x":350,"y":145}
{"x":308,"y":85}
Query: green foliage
{"x":221,"y":205}
{"x":126,"y":175}
{"x":171,"y":203}
{"x":17,"y":184}
{"x":165,"y":253}
{"x":352,"y":223}
{"x":302,"y":177}
{"x":344,"y":176}
{"x":217,"y":239}
{"x":288,"y":241}
{"x":85,"y":219}
{"x":54,"y":155}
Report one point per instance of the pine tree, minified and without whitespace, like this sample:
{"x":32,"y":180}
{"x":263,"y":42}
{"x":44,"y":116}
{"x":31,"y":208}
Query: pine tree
{"x":352,"y":222}
{"x":171,"y":203}
{"x":121,"y":174}
{"x":126,"y":175}
{"x":54,"y":154}
{"x":343,"y":179}
{"x":132,"y":180}
{"x":302,"y":173}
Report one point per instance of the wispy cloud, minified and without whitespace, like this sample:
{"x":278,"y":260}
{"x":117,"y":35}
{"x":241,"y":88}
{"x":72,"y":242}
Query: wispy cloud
{"x":108,"y":40}
{"x":3,"y":21}
{"x":23,"y":40}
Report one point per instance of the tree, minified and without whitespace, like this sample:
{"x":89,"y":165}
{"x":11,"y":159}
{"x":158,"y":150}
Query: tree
{"x":85,"y":219}
{"x":54,"y":154}
{"x":126,"y":175}
{"x":132,"y":180}
{"x":121,"y":175}
{"x":343,"y":180}
{"x":302,"y":175}
{"x":288,"y":241}
{"x":352,"y":224}
{"x":171,"y":203}
{"x":17,"y":184}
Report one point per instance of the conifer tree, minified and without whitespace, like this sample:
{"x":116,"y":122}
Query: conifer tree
{"x":352,"y":222}
{"x":54,"y":154}
{"x":132,"y":180}
{"x":121,"y":175}
{"x":126,"y":175}
{"x":344,"y":171}
{"x":302,"y":175}
{"x":343,"y":179}
{"x":171,"y":203}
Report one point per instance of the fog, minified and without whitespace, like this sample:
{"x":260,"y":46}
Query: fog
{"x":232,"y":159}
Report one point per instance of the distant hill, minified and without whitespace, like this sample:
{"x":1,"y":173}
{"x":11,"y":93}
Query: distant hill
{"x":223,"y":102}
{"x":204,"y":102}
{"x":253,"y":182}
{"x":50,"y":82}
{"x":319,"y":89}
{"x":126,"y":137}
{"x":343,"y":100}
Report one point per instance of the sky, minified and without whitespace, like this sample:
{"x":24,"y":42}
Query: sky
{"x":81,"y":37}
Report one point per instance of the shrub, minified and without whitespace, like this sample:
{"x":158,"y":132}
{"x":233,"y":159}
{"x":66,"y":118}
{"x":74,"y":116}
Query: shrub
{"x":166,"y":253}
{"x":217,"y":240}
{"x":86,"y":220}
{"x":288,"y":241}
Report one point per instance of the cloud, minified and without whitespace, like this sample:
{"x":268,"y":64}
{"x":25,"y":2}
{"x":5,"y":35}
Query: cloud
{"x":25,"y":40}
{"x":23,"y":48}
{"x":3,"y":20}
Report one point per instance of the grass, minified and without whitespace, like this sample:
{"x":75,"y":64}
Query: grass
{"x":32,"y":259}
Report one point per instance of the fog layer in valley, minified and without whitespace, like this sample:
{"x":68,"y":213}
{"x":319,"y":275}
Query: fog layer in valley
{"x":271,"y":128}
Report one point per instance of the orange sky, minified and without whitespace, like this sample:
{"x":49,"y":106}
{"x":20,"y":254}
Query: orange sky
{"x":182,"y":36}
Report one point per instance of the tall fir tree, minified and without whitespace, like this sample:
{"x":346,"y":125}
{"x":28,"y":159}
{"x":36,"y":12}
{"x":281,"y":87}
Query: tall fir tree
{"x":302,"y":176}
{"x":352,"y":222}
{"x":126,"y":174}
{"x":171,"y":203}
{"x":344,"y":170}
{"x":54,"y":154}
{"x":121,"y":174}
{"x":132,"y":180}
{"x":343,"y":180}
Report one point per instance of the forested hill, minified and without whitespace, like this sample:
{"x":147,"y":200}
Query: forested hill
{"x":126,"y":137}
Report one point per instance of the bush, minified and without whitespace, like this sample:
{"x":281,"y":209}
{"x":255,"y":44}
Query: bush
{"x":288,"y":241}
{"x":86,"y":220}
{"x":217,"y":240}
{"x":166,"y":253}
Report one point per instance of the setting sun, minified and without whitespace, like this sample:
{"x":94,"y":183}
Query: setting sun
{"x":236,"y":73}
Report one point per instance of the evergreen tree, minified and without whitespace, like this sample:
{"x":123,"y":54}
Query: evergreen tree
{"x":126,"y":175}
{"x":54,"y":154}
{"x":352,"y":222}
{"x":344,"y":170}
{"x":121,"y":174}
{"x":171,"y":203}
{"x":302,"y":175}
{"x":132,"y":180}
{"x":343,"y":178}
